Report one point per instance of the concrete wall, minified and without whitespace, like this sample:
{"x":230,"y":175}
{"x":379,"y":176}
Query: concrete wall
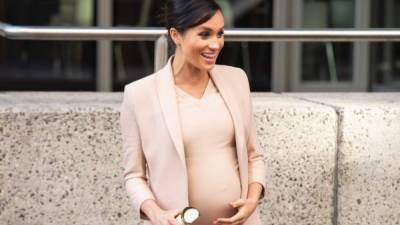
{"x":331,"y":158}
{"x":368,"y":189}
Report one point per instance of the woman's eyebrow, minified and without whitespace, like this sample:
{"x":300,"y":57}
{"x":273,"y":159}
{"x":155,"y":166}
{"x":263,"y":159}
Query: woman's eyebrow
{"x":209,"y":28}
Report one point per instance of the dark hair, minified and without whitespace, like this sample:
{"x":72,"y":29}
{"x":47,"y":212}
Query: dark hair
{"x":185,"y":14}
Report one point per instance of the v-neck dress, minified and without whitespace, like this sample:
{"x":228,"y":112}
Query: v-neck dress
{"x":210,"y":150}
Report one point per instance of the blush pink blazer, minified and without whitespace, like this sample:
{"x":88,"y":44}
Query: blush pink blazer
{"x":154,"y":157}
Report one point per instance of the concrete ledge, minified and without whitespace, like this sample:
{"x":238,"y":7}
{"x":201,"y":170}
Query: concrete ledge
{"x":299,"y":139}
{"x":60,"y":158}
{"x":369,"y":155}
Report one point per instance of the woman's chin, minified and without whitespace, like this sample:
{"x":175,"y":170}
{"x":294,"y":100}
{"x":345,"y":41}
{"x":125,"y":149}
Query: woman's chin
{"x":208,"y":65}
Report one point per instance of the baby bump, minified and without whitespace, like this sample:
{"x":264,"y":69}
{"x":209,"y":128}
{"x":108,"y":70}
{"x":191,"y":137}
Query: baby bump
{"x":213,"y":183}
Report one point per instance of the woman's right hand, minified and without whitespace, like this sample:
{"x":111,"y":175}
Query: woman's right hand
{"x":159,"y":216}
{"x":165,"y":217}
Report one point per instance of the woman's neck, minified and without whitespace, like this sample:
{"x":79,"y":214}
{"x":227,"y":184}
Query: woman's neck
{"x":186,"y":74}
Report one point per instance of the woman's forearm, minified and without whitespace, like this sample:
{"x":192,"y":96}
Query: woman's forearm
{"x":150,"y":208}
{"x":254,"y":191}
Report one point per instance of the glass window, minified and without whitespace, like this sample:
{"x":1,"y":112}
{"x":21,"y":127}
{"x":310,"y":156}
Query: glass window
{"x":47,"y":65}
{"x":385,"y":57}
{"x":133,"y":60}
{"x":327,"y":61}
{"x":253,"y":57}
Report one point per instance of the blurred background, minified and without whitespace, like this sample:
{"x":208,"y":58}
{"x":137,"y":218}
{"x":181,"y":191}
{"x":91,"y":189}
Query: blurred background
{"x":278,"y":67}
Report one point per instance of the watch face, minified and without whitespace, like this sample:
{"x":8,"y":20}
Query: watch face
{"x":190,"y":215}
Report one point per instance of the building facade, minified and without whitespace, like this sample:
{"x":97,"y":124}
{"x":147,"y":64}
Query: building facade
{"x":278,"y":66}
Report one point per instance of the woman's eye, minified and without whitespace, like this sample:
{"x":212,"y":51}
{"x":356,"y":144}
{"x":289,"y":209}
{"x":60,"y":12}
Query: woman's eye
{"x":204,"y":34}
{"x":207,"y":34}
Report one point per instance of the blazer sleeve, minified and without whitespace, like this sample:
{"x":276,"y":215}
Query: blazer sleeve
{"x":134,"y":162}
{"x":255,"y":153}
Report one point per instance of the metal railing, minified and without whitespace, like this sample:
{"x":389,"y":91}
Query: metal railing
{"x":237,"y":34}
{"x":231,"y":35}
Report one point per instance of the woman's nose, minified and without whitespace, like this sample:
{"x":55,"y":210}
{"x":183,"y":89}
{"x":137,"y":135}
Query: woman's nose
{"x":214,"y":45}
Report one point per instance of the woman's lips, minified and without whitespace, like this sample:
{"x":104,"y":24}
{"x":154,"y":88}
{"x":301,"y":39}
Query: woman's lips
{"x":209,"y":57}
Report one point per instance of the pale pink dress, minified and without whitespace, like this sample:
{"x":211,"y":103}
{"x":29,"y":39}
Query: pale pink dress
{"x":209,"y":142}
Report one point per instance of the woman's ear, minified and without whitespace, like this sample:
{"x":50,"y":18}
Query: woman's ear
{"x":175,"y":36}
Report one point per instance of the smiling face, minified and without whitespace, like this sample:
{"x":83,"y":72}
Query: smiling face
{"x":199,"y":46}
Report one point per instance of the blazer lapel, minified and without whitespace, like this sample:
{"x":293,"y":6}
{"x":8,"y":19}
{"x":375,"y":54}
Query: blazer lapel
{"x":231,"y":103}
{"x":169,"y":107}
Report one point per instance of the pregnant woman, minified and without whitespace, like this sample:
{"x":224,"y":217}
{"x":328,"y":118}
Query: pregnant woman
{"x":188,"y":131}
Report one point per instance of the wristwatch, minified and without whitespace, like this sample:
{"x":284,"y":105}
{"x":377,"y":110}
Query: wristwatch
{"x":188,"y":215}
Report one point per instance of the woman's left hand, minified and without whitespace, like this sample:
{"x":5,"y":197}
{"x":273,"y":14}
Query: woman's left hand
{"x":245,"y":209}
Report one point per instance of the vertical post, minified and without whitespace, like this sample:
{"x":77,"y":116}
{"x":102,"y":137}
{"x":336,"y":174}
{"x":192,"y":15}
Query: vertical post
{"x":361,"y":49}
{"x":388,"y":46}
{"x":160,"y":52}
{"x":104,"y":47}
{"x":295,"y":48}
{"x":279,"y":50}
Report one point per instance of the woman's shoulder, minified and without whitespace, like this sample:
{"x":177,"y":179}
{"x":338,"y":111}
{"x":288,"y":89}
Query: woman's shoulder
{"x":227,"y":68}
{"x":141,"y":85}
{"x":232,"y":74}
{"x":138,"y":92}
